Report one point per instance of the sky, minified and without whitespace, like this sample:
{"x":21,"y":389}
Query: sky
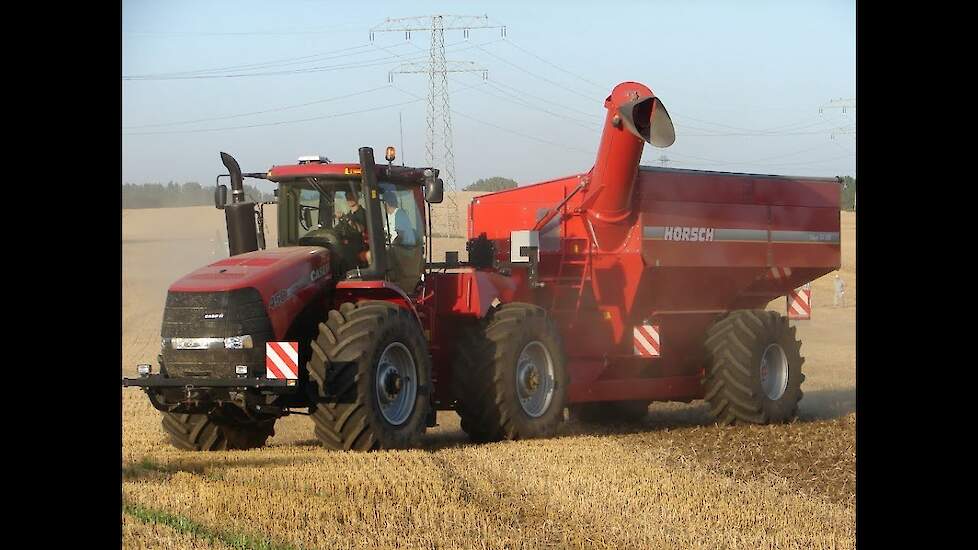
{"x":747,"y":84}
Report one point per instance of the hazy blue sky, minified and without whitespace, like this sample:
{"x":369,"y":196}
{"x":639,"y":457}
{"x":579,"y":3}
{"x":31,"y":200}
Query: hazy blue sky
{"x":743,"y":82}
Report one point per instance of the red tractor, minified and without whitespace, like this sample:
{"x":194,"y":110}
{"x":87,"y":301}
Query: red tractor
{"x":599,"y":292}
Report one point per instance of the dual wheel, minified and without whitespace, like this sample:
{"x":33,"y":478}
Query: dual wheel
{"x":510,"y":375}
{"x":371,"y":372}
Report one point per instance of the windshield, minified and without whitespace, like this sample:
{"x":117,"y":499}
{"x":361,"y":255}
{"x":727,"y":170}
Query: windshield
{"x":310,"y":204}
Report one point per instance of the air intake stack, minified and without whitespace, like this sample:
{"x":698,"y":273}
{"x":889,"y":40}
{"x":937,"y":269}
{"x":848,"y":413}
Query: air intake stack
{"x":240,"y":215}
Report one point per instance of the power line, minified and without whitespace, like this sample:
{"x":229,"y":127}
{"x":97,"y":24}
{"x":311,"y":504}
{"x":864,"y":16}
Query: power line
{"x":328,"y":30}
{"x":518,"y":101}
{"x":575,"y":75}
{"x":503,"y":128}
{"x":274,"y":62}
{"x":794,"y":126}
{"x":283,"y":122}
{"x":239,"y":115}
{"x":527,"y":136}
{"x":364,"y":63}
{"x":276,"y":123}
{"x":534,"y":75}
{"x":496,"y":82}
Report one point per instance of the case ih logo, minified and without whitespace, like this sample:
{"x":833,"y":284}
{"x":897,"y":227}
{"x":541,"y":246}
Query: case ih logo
{"x":318,"y":273}
{"x":688,"y":234}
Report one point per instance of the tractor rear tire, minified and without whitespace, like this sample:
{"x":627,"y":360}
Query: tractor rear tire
{"x":753,"y":370}
{"x":603,"y":412}
{"x":216,"y":432}
{"x":515,"y":351}
{"x":360,"y":401}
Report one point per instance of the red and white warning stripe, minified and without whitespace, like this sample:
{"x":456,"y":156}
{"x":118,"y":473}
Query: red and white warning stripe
{"x":282,"y":360}
{"x":778,"y":273}
{"x":645,"y":339}
{"x":800,"y":303}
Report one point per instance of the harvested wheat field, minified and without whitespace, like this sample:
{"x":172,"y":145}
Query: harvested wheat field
{"x":673,"y":481}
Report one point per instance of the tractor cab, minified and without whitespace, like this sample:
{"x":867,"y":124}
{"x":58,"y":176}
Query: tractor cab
{"x":373,"y":223}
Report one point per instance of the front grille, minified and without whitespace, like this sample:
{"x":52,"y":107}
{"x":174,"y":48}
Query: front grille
{"x":215,"y":315}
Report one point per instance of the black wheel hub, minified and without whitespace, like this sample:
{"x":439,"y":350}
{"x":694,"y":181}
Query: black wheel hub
{"x":392,"y":383}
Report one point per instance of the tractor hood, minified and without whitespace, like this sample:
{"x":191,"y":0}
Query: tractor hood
{"x":286,"y":278}
{"x":278,"y":268}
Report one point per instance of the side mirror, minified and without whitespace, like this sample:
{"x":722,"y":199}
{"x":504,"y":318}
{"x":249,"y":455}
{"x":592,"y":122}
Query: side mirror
{"x":220,"y":196}
{"x":307,"y":217}
{"x":434,"y":190}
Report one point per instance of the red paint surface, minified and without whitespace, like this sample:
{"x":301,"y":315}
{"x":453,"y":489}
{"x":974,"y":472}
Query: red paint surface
{"x":268,"y":271}
{"x":681,"y":286}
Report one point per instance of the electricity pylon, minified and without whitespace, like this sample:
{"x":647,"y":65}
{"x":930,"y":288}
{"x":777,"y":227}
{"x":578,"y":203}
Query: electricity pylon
{"x":439,"y":108}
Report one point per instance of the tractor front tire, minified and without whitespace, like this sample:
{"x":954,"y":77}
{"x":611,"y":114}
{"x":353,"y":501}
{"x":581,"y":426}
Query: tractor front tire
{"x":603,"y":412}
{"x":371,"y":374}
{"x":216,"y":432}
{"x":510,"y":376}
{"x":753,"y":370}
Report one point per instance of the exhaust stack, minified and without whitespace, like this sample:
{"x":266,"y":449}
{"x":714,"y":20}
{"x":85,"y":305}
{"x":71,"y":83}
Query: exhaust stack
{"x":635,"y":117}
{"x":239,"y":215}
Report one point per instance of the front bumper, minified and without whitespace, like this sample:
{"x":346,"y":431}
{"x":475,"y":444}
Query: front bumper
{"x":193,"y":395}
{"x":160,"y":381}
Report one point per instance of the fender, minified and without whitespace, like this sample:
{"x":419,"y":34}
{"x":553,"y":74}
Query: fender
{"x":355,"y":291}
{"x":471,"y":292}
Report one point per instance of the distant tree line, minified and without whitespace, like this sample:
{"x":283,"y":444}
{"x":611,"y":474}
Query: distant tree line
{"x":491,"y":184}
{"x":158,"y":195}
{"x":849,"y":193}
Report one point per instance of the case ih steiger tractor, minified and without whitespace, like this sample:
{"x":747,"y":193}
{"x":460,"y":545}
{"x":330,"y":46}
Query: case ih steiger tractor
{"x":599,"y":292}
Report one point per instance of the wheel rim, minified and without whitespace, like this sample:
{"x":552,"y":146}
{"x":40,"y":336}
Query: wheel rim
{"x":774,"y":372}
{"x":535,"y":379}
{"x":397,"y":383}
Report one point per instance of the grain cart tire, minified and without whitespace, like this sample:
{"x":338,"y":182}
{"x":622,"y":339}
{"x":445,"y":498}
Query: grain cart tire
{"x":601,"y":412}
{"x":372,"y":376}
{"x":753,"y":371}
{"x":216,"y":432}
{"x":510,"y":376}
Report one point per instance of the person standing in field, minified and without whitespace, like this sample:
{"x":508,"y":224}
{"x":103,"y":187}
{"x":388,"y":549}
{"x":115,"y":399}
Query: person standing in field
{"x":840,"y":292}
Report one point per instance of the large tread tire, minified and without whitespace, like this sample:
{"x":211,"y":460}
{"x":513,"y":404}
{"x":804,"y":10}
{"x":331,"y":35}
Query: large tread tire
{"x":343,"y":370}
{"x":201,"y":432}
{"x":604,"y":412}
{"x":734,"y":348}
{"x":484,"y":374}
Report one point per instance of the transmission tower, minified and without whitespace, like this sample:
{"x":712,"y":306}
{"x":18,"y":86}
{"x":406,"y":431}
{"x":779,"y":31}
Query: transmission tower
{"x":439,"y":109}
{"x":846,"y":105}
{"x":840,"y":103}
{"x":664,"y":160}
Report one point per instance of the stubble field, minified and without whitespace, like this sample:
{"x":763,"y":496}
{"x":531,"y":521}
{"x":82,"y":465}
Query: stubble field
{"x":673,"y":481}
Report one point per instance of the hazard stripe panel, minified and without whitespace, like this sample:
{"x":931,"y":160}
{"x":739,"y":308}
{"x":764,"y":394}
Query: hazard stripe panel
{"x":645,"y":340}
{"x":282,"y":360}
{"x":778,"y":273}
{"x":800,"y":303}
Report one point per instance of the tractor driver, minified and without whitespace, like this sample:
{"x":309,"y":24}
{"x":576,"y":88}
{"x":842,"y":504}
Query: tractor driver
{"x":352,"y":226}
{"x":356,"y":215}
